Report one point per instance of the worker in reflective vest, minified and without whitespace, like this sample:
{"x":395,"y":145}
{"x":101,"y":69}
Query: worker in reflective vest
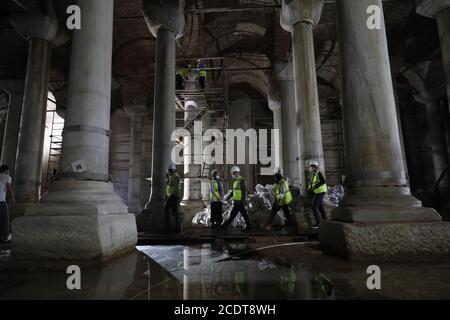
{"x":172,"y":198}
{"x":201,"y":74}
{"x":318,"y":187}
{"x":283,"y":198}
{"x":239,"y":193}
{"x":181,"y":76}
{"x":215,"y":197}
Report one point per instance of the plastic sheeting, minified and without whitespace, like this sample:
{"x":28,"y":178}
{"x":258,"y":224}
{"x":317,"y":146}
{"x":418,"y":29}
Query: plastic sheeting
{"x":336,"y":194}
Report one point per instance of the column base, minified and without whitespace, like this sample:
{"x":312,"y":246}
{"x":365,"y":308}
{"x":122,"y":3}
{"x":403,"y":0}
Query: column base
{"x":407,"y":241}
{"x":78,"y":220}
{"x":382,"y":204}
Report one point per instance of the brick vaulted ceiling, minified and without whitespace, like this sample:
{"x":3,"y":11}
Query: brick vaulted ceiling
{"x":246,"y":32}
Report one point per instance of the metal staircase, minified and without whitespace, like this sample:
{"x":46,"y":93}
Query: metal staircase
{"x":54,"y":155}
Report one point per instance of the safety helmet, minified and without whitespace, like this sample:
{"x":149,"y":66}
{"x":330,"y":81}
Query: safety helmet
{"x":214,"y":173}
{"x":235,"y":169}
{"x":314,"y":163}
{"x":172,"y":167}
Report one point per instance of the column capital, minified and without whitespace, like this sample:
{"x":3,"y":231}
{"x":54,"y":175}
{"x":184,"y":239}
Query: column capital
{"x":274,"y":103}
{"x":35,"y":25}
{"x":300,"y":11}
{"x":135,"y":110}
{"x":431,"y":8}
{"x":283,"y":71}
{"x":168,"y":15}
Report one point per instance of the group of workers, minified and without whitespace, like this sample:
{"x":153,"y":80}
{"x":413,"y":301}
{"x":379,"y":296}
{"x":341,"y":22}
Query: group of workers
{"x":283,"y":198}
{"x":183,"y":73}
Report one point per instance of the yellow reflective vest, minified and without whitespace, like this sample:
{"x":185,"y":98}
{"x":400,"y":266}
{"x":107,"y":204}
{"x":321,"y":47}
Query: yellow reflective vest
{"x":214,"y":194}
{"x":170,"y":187}
{"x":183,"y":72}
{"x":237,"y":191}
{"x":285,"y":197}
{"x":314,"y":180}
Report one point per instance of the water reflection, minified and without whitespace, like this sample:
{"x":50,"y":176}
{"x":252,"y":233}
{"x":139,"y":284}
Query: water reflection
{"x":236,"y":272}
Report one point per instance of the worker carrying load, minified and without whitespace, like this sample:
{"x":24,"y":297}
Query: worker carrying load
{"x":239,"y":193}
{"x":283,"y":199}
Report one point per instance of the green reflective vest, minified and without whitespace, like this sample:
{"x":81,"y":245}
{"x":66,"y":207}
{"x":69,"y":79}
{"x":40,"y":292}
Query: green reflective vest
{"x":170,"y":187}
{"x":286,"y":198}
{"x":183,"y":72}
{"x":314,"y":180}
{"x":201,"y":72}
{"x":237,"y":192}
{"x":214,"y":194}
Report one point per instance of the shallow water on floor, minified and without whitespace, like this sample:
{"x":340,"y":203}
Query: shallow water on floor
{"x":224,"y":271}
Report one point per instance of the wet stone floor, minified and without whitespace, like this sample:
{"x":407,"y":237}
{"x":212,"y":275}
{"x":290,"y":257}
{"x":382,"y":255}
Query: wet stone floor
{"x":268,"y":269}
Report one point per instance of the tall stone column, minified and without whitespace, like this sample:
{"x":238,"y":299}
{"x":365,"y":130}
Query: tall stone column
{"x":166,"y":23}
{"x":299,"y":17}
{"x":11,"y":135}
{"x":207,"y":123}
{"x":438,"y":144}
{"x":137,"y":114}
{"x":431,"y":96}
{"x":275,"y":107}
{"x":192,"y":198}
{"x":82,"y":218}
{"x":439,"y":10}
{"x":378,"y":216}
{"x":285,"y":77}
{"x":39,"y":30}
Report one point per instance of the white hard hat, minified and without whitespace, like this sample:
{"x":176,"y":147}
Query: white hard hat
{"x":235,"y":169}
{"x":314,"y":163}
{"x":172,"y":167}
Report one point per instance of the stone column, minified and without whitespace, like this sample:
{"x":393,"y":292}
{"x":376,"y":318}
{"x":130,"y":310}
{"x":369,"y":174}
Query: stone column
{"x":431,"y":97}
{"x":378,"y":217}
{"x":439,"y":10}
{"x":240,"y":116}
{"x":299,"y":17}
{"x":284,"y":75}
{"x":275,"y":107}
{"x":11,"y":135}
{"x":39,"y":30}
{"x":438,"y":144}
{"x":192,"y":198}
{"x":166,"y":23}
{"x":82,"y":218}
{"x":207,"y":123}
{"x":137,"y":114}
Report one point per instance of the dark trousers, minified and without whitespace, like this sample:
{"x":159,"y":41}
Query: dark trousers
{"x":216,"y":213}
{"x":4,"y":221}
{"x":238,"y":207}
{"x":287,"y":213}
{"x":202,"y":81}
{"x":317,"y":207}
{"x":179,"y":82}
{"x":172,"y":203}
